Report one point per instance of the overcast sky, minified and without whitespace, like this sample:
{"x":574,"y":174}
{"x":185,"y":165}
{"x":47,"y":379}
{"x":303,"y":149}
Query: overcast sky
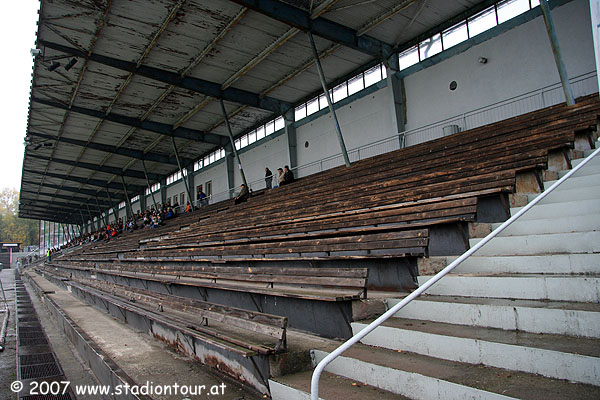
{"x":17,"y":37}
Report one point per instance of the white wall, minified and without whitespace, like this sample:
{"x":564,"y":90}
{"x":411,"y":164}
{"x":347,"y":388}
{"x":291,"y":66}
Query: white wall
{"x":519,"y":61}
{"x":215,"y":173}
{"x":363,"y":121}
{"x":272,"y":154}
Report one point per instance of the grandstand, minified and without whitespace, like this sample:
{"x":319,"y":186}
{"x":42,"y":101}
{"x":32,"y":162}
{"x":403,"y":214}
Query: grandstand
{"x":414,"y":130}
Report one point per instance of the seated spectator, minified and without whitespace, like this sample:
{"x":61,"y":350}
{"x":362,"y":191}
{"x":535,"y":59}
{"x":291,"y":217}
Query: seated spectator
{"x":288,"y":176}
{"x":202,"y":199}
{"x":243,"y":196}
{"x":170,"y":213}
{"x":188,"y":208}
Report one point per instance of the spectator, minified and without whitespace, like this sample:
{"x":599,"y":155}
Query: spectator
{"x":279,"y":176}
{"x":243,"y":196}
{"x":201,"y":197}
{"x":268,"y":178}
{"x":288,"y":176}
{"x":188,"y":208}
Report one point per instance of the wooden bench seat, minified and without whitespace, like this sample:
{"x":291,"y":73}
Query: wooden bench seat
{"x":324,"y":284}
{"x":208,"y":321}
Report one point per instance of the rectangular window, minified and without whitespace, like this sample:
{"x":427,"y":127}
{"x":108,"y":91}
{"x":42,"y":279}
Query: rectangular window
{"x":482,"y":22}
{"x":252,"y":137}
{"x":455,"y":35}
{"x":511,"y":8}
{"x":279,"y":123}
{"x":122,"y":204}
{"x":300,"y":112}
{"x":208,"y":186}
{"x":181,"y":199}
{"x":198,"y":165}
{"x":340,"y":92}
{"x":222,"y":151}
{"x":312,"y":106}
{"x":244,"y":141}
{"x":356,"y":84}
{"x":430,"y":47}
{"x":409,"y":57}
{"x":135,"y":198}
{"x":535,"y":3}
{"x":373,"y":75}
{"x":260,"y":133}
{"x":238,"y":144}
{"x":269,"y":128}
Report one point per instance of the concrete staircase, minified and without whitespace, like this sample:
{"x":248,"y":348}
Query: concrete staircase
{"x":519,"y":319}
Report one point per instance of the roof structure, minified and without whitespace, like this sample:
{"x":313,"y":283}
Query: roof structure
{"x":119,"y":83}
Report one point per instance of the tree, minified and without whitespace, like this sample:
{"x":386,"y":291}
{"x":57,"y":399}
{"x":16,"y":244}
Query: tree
{"x":13,"y":228}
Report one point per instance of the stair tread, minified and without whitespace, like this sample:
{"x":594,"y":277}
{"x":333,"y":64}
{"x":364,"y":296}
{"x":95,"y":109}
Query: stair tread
{"x":497,"y":380}
{"x":565,"y":344}
{"x":557,"y":305}
{"x":332,"y":386}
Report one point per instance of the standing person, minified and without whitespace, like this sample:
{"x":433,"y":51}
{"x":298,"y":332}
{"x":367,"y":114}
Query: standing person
{"x":288,"y":176}
{"x":279,"y":176}
{"x":201,"y":197}
{"x":268,"y":178}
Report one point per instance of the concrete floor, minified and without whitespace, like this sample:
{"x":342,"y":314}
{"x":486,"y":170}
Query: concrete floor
{"x":8,"y":361}
{"x":141,"y":357}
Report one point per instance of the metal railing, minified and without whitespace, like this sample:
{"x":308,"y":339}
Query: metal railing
{"x":389,"y":313}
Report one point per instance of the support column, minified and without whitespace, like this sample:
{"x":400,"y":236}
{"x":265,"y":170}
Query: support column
{"x":562,"y":70}
{"x":191,"y":185}
{"x":183,"y":176}
{"x":149,"y":188}
{"x":336,"y":123}
{"x":237,"y":156}
{"x":229,"y":160}
{"x":128,"y":210}
{"x":290,"y":131}
{"x":114,"y":209}
{"x":163,"y":191}
{"x":397,"y":93}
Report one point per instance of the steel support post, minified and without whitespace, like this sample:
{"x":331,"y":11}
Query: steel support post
{"x":100,"y":211}
{"x":148,"y":182}
{"x":230,"y":132}
{"x":336,"y":123}
{"x":115,"y":211}
{"x":128,"y":210}
{"x":183,"y":176}
{"x":562,"y":70}
{"x":91,"y":218}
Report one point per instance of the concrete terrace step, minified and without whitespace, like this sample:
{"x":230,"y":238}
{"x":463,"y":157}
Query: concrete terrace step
{"x":589,"y":169}
{"x":332,"y":386}
{"x":567,"y":195}
{"x":518,"y":286}
{"x":595,"y":161}
{"x":559,"y":210}
{"x":574,"y":182}
{"x":421,"y":377}
{"x":553,"y":356}
{"x":557,"y":225}
{"x":547,"y":264}
{"x":551,"y":243}
{"x":561,"y":318}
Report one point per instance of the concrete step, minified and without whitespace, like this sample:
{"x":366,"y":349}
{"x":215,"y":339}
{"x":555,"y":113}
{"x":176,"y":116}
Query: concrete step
{"x":551,"y":243}
{"x":575,"y":182}
{"x":519,"y":286}
{"x":561,"y":210}
{"x":421,"y":377}
{"x":331,"y":386}
{"x":547,"y":264}
{"x":567,"y":195}
{"x":553,"y":356}
{"x":560,"y":318}
{"x":589,"y":169}
{"x":594,"y":161}
{"x":579,"y":223}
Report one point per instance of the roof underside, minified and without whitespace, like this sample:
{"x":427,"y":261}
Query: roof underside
{"x":150,"y":72}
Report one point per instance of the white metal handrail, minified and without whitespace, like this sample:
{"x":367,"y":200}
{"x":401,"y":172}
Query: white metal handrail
{"x":369,"y":328}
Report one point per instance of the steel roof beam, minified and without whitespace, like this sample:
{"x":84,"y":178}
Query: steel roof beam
{"x":88,"y":192}
{"x":207,"y":88}
{"x":87,"y":181}
{"x":157,"y":127}
{"x":44,"y":217}
{"x":320,"y":26}
{"x":57,"y":206}
{"x":132,"y":153}
{"x":78,"y":200}
{"x":106,"y":169}
{"x":46,"y":212}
